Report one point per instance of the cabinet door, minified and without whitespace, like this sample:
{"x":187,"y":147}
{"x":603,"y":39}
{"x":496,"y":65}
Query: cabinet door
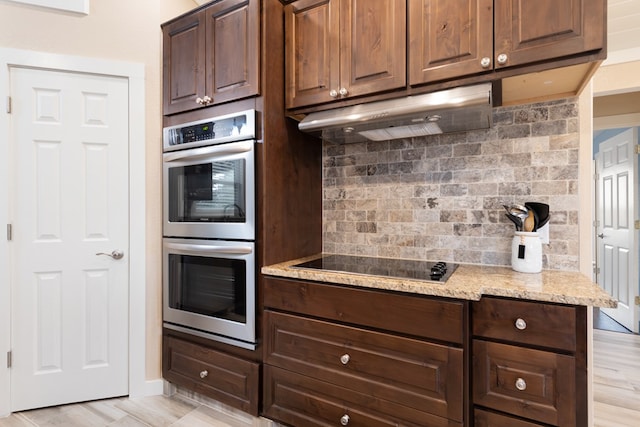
{"x":531,"y":31}
{"x":229,"y":379}
{"x":527,"y":322}
{"x":449,"y":38}
{"x":492,"y":419}
{"x":372,"y":46}
{"x":183,"y":45}
{"x":533,"y":384}
{"x":311,"y":51}
{"x":298,"y":400}
{"x":232,"y":55}
{"x":425,"y":377}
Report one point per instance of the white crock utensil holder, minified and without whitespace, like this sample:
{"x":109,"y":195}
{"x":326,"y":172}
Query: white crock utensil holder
{"x":526,"y":252}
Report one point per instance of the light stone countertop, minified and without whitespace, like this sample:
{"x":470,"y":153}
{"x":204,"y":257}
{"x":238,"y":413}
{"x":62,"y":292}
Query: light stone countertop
{"x":468,"y":282}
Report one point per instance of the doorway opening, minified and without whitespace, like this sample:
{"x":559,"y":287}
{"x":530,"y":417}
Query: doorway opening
{"x":616,"y":185}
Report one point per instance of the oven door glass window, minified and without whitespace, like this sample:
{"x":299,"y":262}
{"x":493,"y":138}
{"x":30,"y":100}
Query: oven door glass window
{"x":214,"y":191}
{"x":214,"y":287}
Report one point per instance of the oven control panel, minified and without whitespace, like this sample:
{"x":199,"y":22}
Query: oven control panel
{"x":218,"y":130}
{"x":194,"y":133}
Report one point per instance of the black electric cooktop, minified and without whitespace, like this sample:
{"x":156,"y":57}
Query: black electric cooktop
{"x":431,"y":271}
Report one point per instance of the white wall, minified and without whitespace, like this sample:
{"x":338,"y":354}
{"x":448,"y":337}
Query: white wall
{"x":116,"y":30}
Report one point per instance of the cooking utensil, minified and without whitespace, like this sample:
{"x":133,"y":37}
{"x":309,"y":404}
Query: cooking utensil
{"x":517,"y":210}
{"x":517,"y":221}
{"x":529,"y":223}
{"x":520,"y":212}
{"x":541,"y":210}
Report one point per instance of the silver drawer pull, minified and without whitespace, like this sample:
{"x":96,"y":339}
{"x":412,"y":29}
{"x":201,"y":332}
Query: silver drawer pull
{"x":344,"y":359}
{"x":204,"y":374}
{"x":521,"y":324}
{"x":521,"y":384}
{"x":344,"y":420}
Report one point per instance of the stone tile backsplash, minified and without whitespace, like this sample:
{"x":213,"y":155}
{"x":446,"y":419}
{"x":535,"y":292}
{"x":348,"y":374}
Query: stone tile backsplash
{"x":440,"y":197}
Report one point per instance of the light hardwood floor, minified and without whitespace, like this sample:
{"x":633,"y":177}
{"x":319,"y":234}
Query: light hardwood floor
{"x":616,"y":399}
{"x":616,"y":391}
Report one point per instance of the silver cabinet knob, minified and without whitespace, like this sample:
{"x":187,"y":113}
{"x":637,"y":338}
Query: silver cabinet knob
{"x":502,"y":58}
{"x":116,"y":254}
{"x":204,"y":374}
{"x":521,"y":324}
{"x":521,"y":384}
{"x":344,"y":359}
{"x":344,"y":420}
{"x":206,"y":100}
{"x":333,"y":93}
{"x":343,"y":91}
{"x":485,"y":62}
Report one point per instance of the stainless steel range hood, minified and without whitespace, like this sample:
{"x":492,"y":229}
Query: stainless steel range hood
{"x":452,"y":110}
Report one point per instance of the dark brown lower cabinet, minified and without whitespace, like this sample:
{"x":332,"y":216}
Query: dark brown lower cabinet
{"x":221,"y":376}
{"x":529,"y":363}
{"x":302,"y":401}
{"x":534,"y":384}
{"x":371,"y":364}
{"x":492,"y":419}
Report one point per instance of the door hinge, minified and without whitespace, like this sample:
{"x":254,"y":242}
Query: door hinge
{"x":636,"y":224}
{"x":596,"y":270}
{"x":9,"y":232}
{"x":9,"y":356}
{"x":596,"y":176}
{"x":637,"y":301}
{"x":8,"y":105}
{"x":637,"y":149}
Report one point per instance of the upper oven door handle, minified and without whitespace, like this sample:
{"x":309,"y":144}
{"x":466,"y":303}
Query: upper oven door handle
{"x":187,"y":249}
{"x":214,"y":150}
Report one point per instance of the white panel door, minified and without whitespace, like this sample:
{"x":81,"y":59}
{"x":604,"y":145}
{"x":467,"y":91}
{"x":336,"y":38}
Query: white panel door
{"x":69,"y":203}
{"x":617,"y":242}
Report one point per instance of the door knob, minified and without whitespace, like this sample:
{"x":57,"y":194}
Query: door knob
{"x":601,"y":235}
{"x":116,"y":254}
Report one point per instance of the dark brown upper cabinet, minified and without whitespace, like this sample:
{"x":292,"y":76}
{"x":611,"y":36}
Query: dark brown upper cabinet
{"x":528,"y":32}
{"x":336,"y":49}
{"x":449,"y":39}
{"x":454,"y":38}
{"x":211,"y":56}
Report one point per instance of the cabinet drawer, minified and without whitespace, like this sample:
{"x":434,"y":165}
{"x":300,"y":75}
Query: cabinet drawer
{"x":413,"y":373}
{"x":533,"y":384}
{"x":428,"y":317}
{"x":298,"y":400}
{"x":525,"y":322}
{"x":491,"y":419}
{"x":226,"y":378}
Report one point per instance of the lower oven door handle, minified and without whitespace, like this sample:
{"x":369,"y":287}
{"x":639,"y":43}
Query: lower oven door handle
{"x":216,"y":150}
{"x":208,"y":249}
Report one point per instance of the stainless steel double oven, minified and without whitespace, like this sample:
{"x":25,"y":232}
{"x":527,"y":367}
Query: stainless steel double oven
{"x":209,"y":271}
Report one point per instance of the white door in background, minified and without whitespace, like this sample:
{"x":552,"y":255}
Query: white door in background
{"x":617,"y":239}
{"x":69,"y":201}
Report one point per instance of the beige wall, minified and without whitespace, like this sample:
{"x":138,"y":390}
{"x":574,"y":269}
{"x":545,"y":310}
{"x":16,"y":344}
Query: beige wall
{"x":117,"y":30}
{"x":617,"y":78}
